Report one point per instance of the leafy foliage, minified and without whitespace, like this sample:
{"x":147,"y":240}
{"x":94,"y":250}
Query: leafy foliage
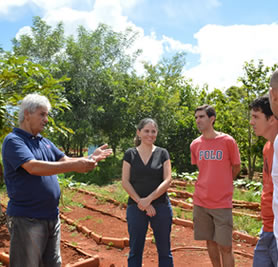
{"x":18,"y":77}
{"x":108,"y":99}
{"x":42,"y":45}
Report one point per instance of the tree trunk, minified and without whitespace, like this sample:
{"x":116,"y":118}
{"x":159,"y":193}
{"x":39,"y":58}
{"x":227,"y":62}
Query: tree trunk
{"x":253,"y":166}
{"x":250,"y":165}
{"x":80,"y":150}
{"x":114,"y":150}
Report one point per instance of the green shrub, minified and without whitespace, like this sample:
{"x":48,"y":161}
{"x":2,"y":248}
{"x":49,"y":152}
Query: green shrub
{"x":106,"y":171}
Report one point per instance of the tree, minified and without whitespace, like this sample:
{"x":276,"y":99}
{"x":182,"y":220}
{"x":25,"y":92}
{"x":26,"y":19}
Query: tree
{"x":98,"y":66}
{"x":255,"y":83}
{"x":42,"y":45}
{"x":165,"y":95}
{"x":19,"y":77}
{"x":99,"y":69}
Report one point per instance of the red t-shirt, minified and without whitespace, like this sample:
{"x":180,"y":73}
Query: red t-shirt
{"x":267,"y":193}
{"x":214,"y":158}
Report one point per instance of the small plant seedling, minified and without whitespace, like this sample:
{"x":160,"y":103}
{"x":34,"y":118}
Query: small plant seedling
{"x":110,"y":245}
{"x":99,"y":221}
{"x":172,"y":194}
{"x":73,"y":234}
{"x":71,"y":228}
{"x":88,"y":217}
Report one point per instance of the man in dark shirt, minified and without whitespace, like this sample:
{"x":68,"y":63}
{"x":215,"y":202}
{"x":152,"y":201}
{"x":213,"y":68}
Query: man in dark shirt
{"x":31,"y":163}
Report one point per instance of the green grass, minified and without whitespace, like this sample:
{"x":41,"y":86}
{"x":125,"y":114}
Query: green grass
{"x":88,"y":217}
{"x":71,"y":228}
{"x":247,"y":224}
{"x":74,"y":234}
{"x":181,"y":213}
{"x":251,"y":196}
{"x":114,"y":191}
{"x":189,"y":188}
{"x":177,"y":212}
{"x":3,"y":195}
{"x":74,"y":243}
{"x":68,"y":199}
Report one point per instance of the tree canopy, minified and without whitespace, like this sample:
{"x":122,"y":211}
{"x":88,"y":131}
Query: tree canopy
{"x":91,"y":76}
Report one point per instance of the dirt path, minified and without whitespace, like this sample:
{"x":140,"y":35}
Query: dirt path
{"x":77,"y":246}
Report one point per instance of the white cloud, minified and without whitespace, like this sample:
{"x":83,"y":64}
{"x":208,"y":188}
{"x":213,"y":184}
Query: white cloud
{"x":224,"y":49}
{"x":6,"y":6}
{"x":152,"y":49}
{"x":25,"y":30}
{"x":71,"y":19}
{"x":174,"y":45}
{"x":102,"y":11}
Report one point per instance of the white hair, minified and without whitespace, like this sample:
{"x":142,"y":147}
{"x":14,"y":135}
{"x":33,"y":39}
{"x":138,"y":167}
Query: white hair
{"x":31,"y":103}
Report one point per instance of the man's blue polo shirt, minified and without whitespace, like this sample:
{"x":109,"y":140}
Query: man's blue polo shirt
{"x":30,"y":196}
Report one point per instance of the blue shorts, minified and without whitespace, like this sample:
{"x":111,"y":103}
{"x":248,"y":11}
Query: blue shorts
{"x":266,"y":253}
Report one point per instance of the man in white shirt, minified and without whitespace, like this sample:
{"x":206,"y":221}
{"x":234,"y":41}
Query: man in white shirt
{"x":273,"y":97}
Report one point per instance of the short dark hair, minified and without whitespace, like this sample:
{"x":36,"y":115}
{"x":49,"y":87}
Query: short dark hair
{"x":208,"y":109}
{"x":262,"y":104}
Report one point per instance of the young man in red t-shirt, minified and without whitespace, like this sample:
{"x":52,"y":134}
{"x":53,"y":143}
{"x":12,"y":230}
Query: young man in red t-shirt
{"x":265,"y":125}
{"x":217,"y":157}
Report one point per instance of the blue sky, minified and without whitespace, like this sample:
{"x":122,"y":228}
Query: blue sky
{"x":217,"y":35}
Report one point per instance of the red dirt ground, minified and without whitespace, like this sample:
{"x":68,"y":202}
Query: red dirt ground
{"x":186,"y":251}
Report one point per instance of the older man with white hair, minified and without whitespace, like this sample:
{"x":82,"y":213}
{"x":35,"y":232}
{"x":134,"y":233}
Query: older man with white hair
{"x":31,"y":163}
